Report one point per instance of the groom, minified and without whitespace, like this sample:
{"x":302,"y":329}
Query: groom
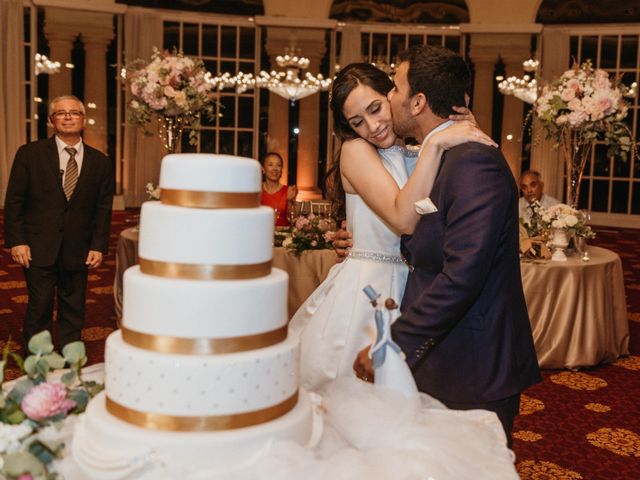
{"x":464,"y":326}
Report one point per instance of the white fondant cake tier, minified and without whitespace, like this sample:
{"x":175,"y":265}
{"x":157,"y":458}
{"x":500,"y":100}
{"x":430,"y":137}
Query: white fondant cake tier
{"x":193,"y":308}
{"x":200,"y":385}
{"x":205,"y":236}
{"x":106,"y":448}
{"x":210,"y":173}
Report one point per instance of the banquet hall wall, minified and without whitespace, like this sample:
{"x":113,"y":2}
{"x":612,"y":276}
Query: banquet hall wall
{"x":498,"y":35}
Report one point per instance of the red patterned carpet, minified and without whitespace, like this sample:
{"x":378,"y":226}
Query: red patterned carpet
{"x":573,"y":425}
{"x":586,"y":425}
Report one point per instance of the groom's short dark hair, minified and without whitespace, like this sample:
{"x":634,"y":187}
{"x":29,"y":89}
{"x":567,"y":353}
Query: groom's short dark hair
{"x":440,"y":74}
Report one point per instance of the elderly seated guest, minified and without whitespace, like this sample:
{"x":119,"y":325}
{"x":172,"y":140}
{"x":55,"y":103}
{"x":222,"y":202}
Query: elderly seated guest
{"x":274,"y":194}
{"x":532,"y":188}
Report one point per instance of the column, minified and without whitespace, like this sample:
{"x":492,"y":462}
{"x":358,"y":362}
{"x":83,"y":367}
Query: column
{"x":309,"y":141}
{"x":517,"y":51}
{"x":484,"y":55}
{"x":96,"y":42}
{"x":60,"y":45}
{"x":544,"y":158}
{"x":310,"y":44}
{"x":278,"y":116}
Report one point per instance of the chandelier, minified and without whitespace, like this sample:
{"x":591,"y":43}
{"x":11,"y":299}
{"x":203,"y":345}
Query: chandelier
{"x":44,"y":65}
{"x":525,"y":88}
{"x":290,"y":84}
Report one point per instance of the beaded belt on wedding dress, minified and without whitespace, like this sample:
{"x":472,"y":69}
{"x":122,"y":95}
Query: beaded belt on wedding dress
{"x":375,"y":256}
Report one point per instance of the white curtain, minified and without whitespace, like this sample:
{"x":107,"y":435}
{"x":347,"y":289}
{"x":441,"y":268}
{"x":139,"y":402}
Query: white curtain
{"x":12,"y":87}
{"x":142,"y":153}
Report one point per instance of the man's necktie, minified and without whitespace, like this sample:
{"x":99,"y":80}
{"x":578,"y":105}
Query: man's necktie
{"x":71,"y":174}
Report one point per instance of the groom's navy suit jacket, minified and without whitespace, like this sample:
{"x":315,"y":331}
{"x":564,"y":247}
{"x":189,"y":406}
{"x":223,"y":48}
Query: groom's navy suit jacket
{"x":464,"y":325}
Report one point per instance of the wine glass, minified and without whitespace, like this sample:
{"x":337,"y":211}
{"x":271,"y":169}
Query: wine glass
{"x":291,"y":215}
{"x":276,"y":214}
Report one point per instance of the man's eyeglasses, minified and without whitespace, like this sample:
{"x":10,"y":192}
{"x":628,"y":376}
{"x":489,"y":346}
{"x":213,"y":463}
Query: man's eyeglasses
{"x":70,"y":113}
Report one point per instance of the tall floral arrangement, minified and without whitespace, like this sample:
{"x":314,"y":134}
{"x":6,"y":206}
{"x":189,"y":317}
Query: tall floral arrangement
{"x":175,"y":89}
{"x":578,"y":109}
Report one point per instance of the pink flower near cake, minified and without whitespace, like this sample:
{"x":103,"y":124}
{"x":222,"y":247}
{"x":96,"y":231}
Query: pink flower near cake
{"x":46,"y":400}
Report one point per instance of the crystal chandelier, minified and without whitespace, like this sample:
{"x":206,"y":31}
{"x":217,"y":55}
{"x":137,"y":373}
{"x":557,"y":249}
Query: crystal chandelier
{"x":525,"y":88}
{"x":289,"y":84}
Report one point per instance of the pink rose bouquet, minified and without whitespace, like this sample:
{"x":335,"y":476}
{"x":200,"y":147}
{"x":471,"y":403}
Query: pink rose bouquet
{"x":46,"y":400}
{"x":588,"y":101}
{"x":175,"y":88}
{"x":310,"y":232}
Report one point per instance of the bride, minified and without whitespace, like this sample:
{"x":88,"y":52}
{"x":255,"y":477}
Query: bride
{"x":336,"y":321}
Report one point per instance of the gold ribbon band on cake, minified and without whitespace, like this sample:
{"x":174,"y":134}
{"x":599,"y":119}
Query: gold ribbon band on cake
{"x":192,"y":271}
{"x":200,"y":199}
{"x":159,"y":421}
{"x":203,"y":346}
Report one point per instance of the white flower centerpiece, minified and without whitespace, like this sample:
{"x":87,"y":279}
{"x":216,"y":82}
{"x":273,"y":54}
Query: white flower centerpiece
{"x":558,"y":226}
{"x":175,"y":89}
{"x":577,"y":110}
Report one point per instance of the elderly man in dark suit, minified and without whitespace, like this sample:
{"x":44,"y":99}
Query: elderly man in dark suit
{"x":464,"y":325}
{"x":57,"y":220}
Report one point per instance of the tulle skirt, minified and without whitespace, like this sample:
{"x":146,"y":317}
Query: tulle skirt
{"x":379,"y":434}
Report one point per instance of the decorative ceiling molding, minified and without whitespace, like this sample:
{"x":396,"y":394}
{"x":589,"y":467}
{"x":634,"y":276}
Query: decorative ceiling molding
{"x":400,"y":11}
{"x":231,"y":7}
{"x":588,"y":11}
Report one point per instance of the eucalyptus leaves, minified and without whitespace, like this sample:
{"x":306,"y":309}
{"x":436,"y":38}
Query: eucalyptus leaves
{"x":33,"y":410}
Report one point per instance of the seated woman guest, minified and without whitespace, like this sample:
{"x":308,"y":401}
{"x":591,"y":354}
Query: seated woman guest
{"x":274,"y":194}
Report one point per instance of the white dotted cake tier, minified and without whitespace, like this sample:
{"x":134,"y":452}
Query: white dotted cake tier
{"x":213,"y":309}
{"x":200,"y":385}
{"x":210,"y":173}
{"x":205,"y":236}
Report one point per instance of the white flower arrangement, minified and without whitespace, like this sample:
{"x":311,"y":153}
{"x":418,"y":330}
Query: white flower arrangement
{"x":558,"y":216}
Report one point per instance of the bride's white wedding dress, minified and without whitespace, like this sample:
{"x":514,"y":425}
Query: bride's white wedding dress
{"x":336,"y":321}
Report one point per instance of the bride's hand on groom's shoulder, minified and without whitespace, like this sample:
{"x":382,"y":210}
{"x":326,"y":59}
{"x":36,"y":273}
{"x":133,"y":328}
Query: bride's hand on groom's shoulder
{"x":462,"y":131}
{"x":342,"y":243}
{"x":463,"y":113}
{"x":363,"y":366}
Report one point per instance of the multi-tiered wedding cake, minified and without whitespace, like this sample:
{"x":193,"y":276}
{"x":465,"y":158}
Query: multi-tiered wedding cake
{"x":202,"y":373}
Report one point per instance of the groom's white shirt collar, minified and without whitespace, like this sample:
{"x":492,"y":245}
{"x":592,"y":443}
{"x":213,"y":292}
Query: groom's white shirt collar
{"x":410,"y":162}
{"x":439,"y":128}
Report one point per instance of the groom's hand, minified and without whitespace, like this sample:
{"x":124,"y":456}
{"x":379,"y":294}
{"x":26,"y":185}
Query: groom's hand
{"x":363,"y":367}
{"x":342,"y":243}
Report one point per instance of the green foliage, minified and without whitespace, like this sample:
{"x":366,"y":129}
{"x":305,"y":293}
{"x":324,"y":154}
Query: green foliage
{"x":36,"y":454}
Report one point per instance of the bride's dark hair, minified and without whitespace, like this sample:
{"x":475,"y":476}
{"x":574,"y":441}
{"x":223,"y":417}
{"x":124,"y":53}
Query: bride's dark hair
{"x":345,"y":82}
